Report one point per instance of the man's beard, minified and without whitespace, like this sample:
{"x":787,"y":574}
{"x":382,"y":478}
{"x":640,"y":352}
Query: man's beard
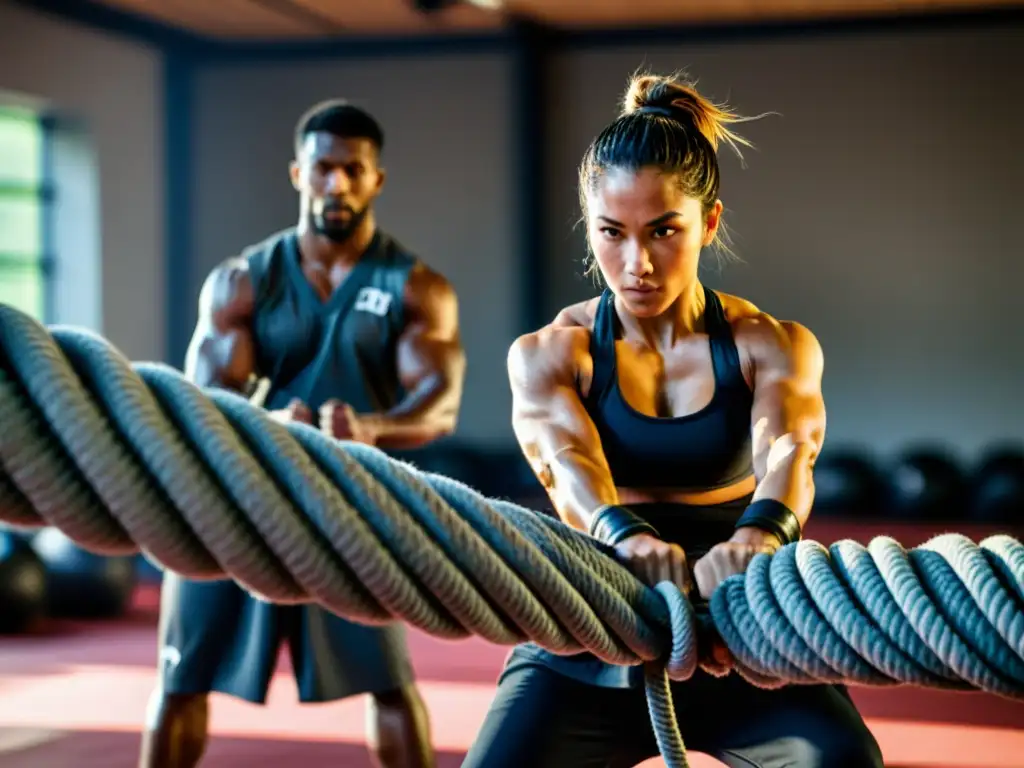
{"x":334,"y":228}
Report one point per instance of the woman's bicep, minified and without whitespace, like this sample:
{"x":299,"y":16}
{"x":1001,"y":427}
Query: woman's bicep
{"x":559,"y":439}
{"x":789,"y":408}
{"x":547,"y":411}
{"x":554,"y":421}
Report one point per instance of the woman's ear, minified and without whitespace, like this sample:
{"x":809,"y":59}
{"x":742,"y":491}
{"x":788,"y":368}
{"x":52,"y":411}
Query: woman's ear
{"x":711,"y":222}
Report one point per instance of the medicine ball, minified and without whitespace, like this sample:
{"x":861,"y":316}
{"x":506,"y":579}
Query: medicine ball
{"x":997,"y":487}
{"x":926,"y":484}
{"x":82,"y":585}
{"x":22,"y":584}
{"x":847,"y":482}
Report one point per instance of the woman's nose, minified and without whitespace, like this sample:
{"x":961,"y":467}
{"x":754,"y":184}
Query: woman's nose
{"x":638,"y":260}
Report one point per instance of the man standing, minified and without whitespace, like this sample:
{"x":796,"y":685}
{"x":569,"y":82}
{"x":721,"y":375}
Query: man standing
{"x":359,"y":337}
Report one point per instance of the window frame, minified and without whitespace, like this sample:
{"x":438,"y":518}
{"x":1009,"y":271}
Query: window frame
{"x":45,"y":193}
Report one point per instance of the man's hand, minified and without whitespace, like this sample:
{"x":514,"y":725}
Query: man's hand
{"x":340,"y":421}
{"x":296,"y":410}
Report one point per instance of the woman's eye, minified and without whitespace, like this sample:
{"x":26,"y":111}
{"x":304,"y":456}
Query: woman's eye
{"x":610,"y":232}
{"x":663,"y":232}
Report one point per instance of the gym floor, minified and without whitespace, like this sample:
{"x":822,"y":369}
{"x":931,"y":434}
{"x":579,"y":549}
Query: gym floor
{"x":74,"y":696}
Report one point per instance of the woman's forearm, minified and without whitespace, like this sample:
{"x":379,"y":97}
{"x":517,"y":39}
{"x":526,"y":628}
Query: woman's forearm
{"x":789,"y":477}
{"x":577,"y":485}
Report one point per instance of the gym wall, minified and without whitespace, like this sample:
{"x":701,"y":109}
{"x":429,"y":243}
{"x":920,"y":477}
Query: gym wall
{"x":109,"y":210}
{"x":876,"y":208}
{"x":879,"y":208}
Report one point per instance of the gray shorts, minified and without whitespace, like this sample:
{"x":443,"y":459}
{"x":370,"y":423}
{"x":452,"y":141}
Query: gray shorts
{"x":215,"y":637}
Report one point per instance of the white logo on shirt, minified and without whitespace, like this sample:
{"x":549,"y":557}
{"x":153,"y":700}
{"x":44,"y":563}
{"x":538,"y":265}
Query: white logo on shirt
{"x":373,"y":300}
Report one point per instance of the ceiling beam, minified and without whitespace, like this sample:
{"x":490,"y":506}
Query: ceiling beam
{"x":313,"y":19}
{"x":120,"y":22}
{"x":144,"y":29}
{"x":772,"y":29}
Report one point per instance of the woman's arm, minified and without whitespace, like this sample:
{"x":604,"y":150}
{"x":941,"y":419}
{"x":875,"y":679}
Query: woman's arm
{"x":555,"y":432}
{"x":788,"y":416}
{"x":562,"y":444}
{"x":788,"y":426}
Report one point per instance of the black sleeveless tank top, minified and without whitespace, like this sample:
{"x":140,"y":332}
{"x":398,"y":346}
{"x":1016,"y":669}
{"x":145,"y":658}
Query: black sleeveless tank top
{"x":703,"y":450}
{"x":341,"y":347}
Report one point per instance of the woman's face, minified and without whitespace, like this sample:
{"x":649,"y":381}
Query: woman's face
{"x":646,"y":236}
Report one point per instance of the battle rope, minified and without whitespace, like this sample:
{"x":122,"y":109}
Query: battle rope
{"x":125,"y":458}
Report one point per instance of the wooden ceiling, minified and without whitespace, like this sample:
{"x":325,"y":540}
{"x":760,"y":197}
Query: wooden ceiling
{"x":269,"y":20}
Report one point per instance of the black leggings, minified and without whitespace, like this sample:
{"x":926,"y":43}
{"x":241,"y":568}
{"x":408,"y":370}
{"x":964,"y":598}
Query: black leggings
{"x":542,"y":719}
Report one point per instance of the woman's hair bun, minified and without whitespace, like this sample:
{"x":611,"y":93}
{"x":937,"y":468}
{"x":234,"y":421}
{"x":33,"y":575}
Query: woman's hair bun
{"x":676,"y":97}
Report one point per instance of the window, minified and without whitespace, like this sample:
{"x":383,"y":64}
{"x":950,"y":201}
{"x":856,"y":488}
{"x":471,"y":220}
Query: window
{"x":26,"y":197}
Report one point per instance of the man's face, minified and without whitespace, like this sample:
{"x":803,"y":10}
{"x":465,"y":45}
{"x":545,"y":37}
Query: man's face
{"x":337,"y":179}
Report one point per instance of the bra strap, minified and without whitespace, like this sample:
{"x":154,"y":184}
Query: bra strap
{"x":602,"y":345}
{"x":725,"y":357}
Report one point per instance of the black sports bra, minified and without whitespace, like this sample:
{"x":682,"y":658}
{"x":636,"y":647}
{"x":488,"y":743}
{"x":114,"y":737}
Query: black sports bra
{"x":701,"y":451}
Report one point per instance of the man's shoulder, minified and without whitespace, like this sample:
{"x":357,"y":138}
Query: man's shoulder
{"x":394,"y":250}
{"x":421,"y":279}
{"x":257,"y":264}
{"x":265,"y":249}
{"x":427,"y":287}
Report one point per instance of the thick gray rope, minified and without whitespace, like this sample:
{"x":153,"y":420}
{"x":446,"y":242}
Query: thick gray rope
{"x":126,"y":458}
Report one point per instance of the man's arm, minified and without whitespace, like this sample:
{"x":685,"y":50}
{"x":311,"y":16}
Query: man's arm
{"x":554,"y":430}
{"x":788,"y":417}
{"x":431,"y":367}
{"x":222,"y":352}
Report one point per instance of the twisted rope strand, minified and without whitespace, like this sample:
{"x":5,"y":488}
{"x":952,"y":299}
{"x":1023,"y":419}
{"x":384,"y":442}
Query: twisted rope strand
{"x":127,"y":458}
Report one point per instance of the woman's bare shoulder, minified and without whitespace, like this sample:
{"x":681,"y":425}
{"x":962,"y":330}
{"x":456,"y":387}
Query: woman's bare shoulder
{"x":559,"y":349}
{"x":579,"y":315}
{"x":759,"y":333}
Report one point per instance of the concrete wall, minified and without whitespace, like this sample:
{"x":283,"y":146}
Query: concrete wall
{"x":879,"y":209}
